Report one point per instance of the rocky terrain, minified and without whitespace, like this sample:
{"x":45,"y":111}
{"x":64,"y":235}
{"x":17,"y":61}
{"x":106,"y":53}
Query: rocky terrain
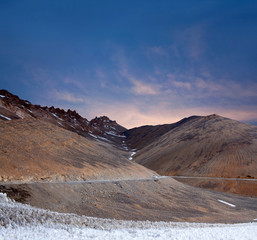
{"x":211,"y":146}
{"x":140,"y":137}
{"x":36,"y":150}
{"x":101,"y":128}
{"x":58,"y":160}
{"x":46,"y":144}
{"x":154,"y":200}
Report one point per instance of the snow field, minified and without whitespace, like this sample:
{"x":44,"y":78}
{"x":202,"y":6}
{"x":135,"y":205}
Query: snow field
{"x":228,"y":232}
{"x":21,"y":222}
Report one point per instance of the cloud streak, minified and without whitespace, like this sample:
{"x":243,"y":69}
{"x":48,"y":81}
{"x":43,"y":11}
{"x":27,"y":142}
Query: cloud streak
{"x":206,"y":87}
{"x":140,"y":88}
{"x":66,"y":96}
{"x":136,"y":113}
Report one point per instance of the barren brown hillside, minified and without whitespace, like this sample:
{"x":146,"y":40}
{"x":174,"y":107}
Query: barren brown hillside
{"x":210,"y":146}
{"x":137,"y":138}
{"x":162,"y":200}
{"x":32,"y":150}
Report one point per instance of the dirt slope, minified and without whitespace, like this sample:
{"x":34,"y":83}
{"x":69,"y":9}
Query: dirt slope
{"x":33,"y":149}
{"x":208,"y":146}
{"x":162,"y":200}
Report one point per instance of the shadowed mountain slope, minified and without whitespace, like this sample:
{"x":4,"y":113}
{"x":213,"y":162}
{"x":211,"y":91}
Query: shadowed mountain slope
{"x":137,"y":138}
{"x":205,"y":146}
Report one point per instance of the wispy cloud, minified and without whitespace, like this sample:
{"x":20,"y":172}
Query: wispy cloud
{"x":66,"y":96}
{"x":137,"y":113}
{"x":177,"y":83}
{"x":140,"y":88}
{"x":206,"y":86}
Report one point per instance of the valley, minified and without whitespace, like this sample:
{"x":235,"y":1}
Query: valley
{"x":58,"y":160}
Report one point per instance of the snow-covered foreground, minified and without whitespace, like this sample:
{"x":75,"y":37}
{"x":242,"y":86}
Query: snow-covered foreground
{"x":19,"y":221}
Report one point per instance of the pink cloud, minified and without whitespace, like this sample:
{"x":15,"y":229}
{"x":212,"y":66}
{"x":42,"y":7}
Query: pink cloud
{"x":66,"y":96}
{"x":140,"y":88}
{"x":136,"y":114}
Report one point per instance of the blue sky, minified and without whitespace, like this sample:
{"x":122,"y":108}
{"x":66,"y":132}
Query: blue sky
{"x":138,"y":62}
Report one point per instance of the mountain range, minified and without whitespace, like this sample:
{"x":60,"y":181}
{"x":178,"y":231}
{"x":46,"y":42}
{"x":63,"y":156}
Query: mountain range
{"x":99,"y":168}
{"x":211,"y":146}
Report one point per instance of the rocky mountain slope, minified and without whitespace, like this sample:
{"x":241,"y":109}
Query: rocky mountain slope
{"x":47,"y":143}
{"x":139,"y":137}
{"x":85,"y":167}
{"x":50,"y":144}
{"x":210,"y":146}
{"x":36,"y":150}
{"x":101,"y":128}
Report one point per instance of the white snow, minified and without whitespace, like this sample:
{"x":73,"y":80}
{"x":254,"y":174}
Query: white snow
{"x":23,"y":222}
{"x":239,"y":231}
{"x":56,"y":116}
{"x":104,"y":139}
{"x":99,"y":138}
{"x":30,"y":111}
{"x":229,"y":204}
{"x":2,"y":96}
{"x":60,"y":124}
{"x":114,"y":134}
{"x":92,"y":135}
{"x":5,"y":117}
{"x":132,"y":154}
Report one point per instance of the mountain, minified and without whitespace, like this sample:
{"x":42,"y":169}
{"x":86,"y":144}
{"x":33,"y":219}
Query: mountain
{"x":139,"y":137}
{"x":211,"y":146}
{"x":201,"y":147}
{"x":58,"y":160}
{"x":101,"y":128}
{"x":48,"y":144}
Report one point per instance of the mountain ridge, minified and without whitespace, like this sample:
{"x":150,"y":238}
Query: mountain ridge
{"x":196,"y":146}
{"x":12,"y":107}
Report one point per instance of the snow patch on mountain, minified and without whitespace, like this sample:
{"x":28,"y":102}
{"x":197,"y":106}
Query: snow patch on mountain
{"x":229,"y":204}
{"x":5,"y":117}
{"x":132,"y":154}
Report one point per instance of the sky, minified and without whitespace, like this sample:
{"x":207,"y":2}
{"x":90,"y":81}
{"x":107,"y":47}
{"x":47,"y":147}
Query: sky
{"x":138,"y":62}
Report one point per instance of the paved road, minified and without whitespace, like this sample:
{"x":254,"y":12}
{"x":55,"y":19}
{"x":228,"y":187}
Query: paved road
{"x":216,"y":178}
{"x":154,"y":178}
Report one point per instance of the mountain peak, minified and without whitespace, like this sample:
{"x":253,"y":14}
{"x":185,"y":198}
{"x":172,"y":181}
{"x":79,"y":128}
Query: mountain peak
{"x":106,"y":123}
{"x":12,"y":107}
